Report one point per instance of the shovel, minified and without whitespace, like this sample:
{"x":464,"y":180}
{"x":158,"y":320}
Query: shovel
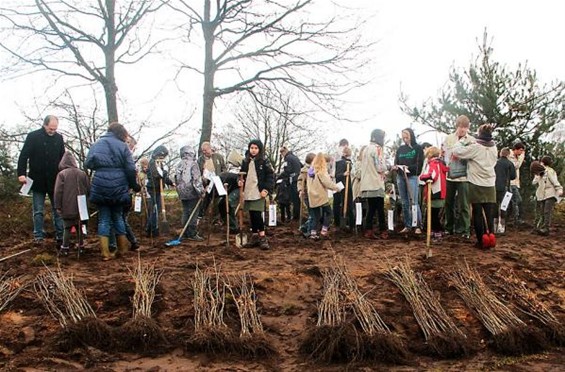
{"x":345,"y":198}
{"x":177,"y":241}
{"x":227,"y":216}
{"x":164,"y":223}
{"x":429,"y":219}
{"x":240,"y":238}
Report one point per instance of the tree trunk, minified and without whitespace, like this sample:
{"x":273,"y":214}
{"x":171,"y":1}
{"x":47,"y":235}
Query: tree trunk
{"x":110,"y":87}
{"x":209,"y":71}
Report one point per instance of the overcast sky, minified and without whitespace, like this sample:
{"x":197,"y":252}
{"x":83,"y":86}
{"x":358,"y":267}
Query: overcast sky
{"x":418,"y":42}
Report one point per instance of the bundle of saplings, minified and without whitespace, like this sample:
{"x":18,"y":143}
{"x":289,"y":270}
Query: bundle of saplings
{"x":80,"y":326}
{"x":10,"y":287}
{"x":511,"y":335}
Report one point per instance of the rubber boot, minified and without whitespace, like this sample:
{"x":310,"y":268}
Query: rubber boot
{"x":105,"y":248}
{"x":123,"y":244}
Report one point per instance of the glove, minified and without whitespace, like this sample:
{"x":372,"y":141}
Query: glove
{"x":136,"y":188}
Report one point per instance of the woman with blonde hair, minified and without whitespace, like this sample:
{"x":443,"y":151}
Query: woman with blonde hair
{"x":318,"y":183}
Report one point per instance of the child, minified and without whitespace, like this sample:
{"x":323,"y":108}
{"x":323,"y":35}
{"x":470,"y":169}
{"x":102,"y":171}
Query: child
{"x":549,"y":189}
{"x":318,"y":183}
{"x":70,"y":182}
{"x":343,"y":175}
{"x":283,"y":199}
{"x":435,"y":176}
{"x":157,"y":178}
{"x":303,"y":193}
{"x":257,"y":184}
{"x":190,"y":189}
{"x":505,"y":172}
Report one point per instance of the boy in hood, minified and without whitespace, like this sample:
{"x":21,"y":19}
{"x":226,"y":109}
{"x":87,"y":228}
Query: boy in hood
{"x":190,"y":189}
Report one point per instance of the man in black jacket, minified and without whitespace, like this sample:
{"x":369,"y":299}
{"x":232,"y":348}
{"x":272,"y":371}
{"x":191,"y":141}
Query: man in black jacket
{"x":43,"y":149}
{"x":290,"y":173}
{"x":505,"y":172}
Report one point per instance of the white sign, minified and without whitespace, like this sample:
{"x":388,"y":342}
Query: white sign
{"x":358,"y":214}
{"x":219,"y":185}
{"x":137,"y":204}
{"x":272,"y":215}
{"x":82,"y":207}
{"x":506,"y":201}
{"x":414,"y":215}
{"x":390,"y":219}
{"x":24,"y":191}
{"x":340,"y":186}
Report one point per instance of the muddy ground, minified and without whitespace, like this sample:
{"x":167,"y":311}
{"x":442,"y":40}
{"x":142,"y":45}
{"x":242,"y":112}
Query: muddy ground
{"x":288,"y":284}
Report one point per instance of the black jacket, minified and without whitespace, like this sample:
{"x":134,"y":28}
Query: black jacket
{"x":44,"y":152}
{"x":265,"y":174}
{"x":340,"y":168}
{"x":291,"y":170}
{"x":505,"y":172}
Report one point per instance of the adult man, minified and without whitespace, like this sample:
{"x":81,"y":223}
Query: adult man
{"x":456,"y":199}
{"x":43,"y":149}
{"x":517,"y":158}
{"x":290,"y":173}
{"x":211,"y":162}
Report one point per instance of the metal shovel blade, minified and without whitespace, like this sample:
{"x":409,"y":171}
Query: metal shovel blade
{"x":240,"y":240}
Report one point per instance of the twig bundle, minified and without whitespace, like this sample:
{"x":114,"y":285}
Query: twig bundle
{"x":142,"y":333}
{"x":211,"y":332}
{"x":527,"y":302}
{"x":511,"y":335}
{"x":252,"y":339}
{"x":69,"y":306}
{"x":442,"y":336}
{"x":10,"y":287}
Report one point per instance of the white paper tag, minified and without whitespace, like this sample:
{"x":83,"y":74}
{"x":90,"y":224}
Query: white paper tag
{"x":137,"y":204}
{"x":210,"y":187}
{"x":358,"y":214}
{"x":219,"y":185}
{"x":393,"y":194}
{"x":272,"y":215}
{"x":414,"y":215}
{"x":340,"y":186}
{"x":390,"y":219}
{"x":82,"y":207}
{"x":83,"y":229}
{"x":330,"y":193}
{"x":24,"y":191}
{"x":506,"y":201}
{"x":207,"y":174}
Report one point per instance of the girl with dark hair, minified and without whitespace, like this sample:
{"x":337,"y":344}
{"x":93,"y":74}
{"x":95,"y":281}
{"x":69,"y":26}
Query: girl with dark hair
{"x":258,"y":182}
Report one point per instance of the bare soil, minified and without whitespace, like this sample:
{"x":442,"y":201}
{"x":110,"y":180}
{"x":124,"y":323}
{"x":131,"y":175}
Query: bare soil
{"x":288,"y":283}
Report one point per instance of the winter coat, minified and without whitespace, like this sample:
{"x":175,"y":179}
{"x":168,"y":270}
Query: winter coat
{"x":291,"y":169}
{"x":217,"y":159}
{"x":283,"y":191}
{"x":114,"y":171}
{"x":265,"y":174}
{"x":373,"y":168}
{"x":71,"y":182}
{"x":156,"y":173}
{"x":481,"y":158}
{"x":436,"y":171}
{"x":318,"y":185}
{"x":447,"y":148}
{"x":44,"y":152}
{"x":341,"y":168}
{"x":187,"y":175}
{"x":548,"y":185}
{"x":505,"y":172}
{"x":231,"y":179}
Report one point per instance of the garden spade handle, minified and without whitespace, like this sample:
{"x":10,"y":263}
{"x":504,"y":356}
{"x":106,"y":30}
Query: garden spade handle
{"x":345,"y":201}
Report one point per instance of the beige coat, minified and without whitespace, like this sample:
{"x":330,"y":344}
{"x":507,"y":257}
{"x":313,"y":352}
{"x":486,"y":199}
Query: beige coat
{"x":373,"y":168}
{"x":480,"y":164}
{"x":548,"y":185}
{"x":517,"y":161}
{"x":318,"y":189}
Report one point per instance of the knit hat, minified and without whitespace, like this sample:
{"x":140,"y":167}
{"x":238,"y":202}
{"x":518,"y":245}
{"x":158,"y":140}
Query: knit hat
{"x":378,"y":137}
{"x":536,"y":167}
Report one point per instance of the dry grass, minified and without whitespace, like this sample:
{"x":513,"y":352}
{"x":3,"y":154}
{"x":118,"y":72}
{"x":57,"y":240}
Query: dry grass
{"x":10,"y":287}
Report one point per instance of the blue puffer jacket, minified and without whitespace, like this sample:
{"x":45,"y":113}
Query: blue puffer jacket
{"x":114,"y":169}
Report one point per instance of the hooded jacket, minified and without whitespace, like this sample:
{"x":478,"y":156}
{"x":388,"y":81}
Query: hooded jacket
{"x":318,"y":185}
{"x":114,"y":171}
{"x":156,"y":173}
{"x":265,"y":174}
{"x":71,"y":182}
{"x":187,"y":175}
{"x":291,"y":169}
{"x":43,"y":152}
{"x":436,"y":171}
{"x":412,"y":156}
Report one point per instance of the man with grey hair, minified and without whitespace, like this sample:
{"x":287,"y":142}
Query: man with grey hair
{"x":43,"y":149}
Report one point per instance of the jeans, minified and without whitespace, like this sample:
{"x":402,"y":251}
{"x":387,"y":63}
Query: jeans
{"x":405,"y":197}
{"x":516,"y":203}
{"x":154,"y":206}
{"x":38,"y":206}
{"x":111,"y":217}
{"x":188,"y":206}
{"x":295,"y":200}
{"x":457,"y":211}
{"x":321,"y":214}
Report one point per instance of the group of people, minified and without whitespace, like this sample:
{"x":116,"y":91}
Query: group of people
{"x":467,"y":178}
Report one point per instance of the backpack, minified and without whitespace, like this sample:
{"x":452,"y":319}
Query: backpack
{"x":184,"y":181}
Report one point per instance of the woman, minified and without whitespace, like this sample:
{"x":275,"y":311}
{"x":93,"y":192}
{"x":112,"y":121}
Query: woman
{"x":408,"y":161}
{"x":114,"y":174}
{"x":481,"y":158}
{"x":258,"y":183}
{"x":372,"y":184}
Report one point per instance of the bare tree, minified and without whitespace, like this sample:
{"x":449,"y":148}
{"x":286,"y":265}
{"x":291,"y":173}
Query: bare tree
{"x":275,"y":123}
{"x":263,"y":45}
{"x":79,"y":39}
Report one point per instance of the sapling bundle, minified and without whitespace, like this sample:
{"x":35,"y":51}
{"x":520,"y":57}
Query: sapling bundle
{"x":334,"y":338}
{"x":142,"y":333}
{"x":528,"y":303}
{"x":10,"y":287}
{"x":511,"y":335}
{"x":211,"y":334}
{"x":69,"y":306}
{"x":442,"y":336}
{"x":252,"y":339}
{"x":378,"y":342}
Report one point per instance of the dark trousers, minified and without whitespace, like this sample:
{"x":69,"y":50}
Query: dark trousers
{"x":295,"y":201}
{"x":544,"y":214}
{"x":436,"y":221}
{"x":375,"y":205}
{"x":257,"y":223}
{"x":338,"y":201}
{"x":321,"y":215}
{"x":188,"y":206}
{"x":285,"y":212}
{"x":479,"y":220}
